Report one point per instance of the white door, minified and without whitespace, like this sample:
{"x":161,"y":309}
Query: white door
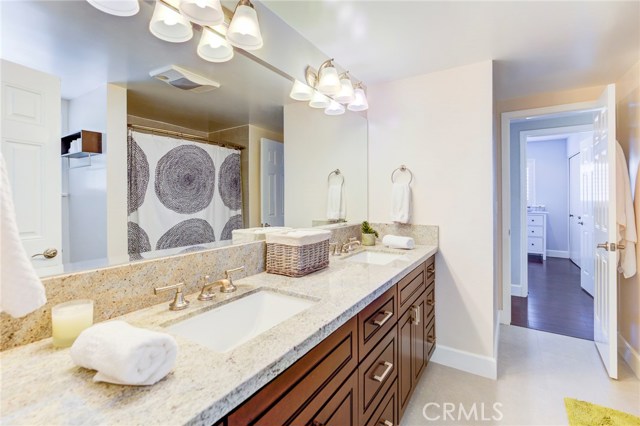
{"x":587,"y":250}
{"x":605,"y":299}
{"x":31,"y":148}
{"x":272,"y":182}
{"x":575,"y":211}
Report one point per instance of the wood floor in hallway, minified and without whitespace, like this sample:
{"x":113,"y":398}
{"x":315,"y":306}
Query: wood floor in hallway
{"x":556,"y":302}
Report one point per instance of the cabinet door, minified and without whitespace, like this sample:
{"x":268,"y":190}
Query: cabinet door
{"x":405,"y":331}
{"x":418,"y":338}
{"x":340,"y":409}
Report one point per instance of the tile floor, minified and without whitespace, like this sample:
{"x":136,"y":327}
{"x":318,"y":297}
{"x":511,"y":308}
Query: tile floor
{"x":536,"y":370}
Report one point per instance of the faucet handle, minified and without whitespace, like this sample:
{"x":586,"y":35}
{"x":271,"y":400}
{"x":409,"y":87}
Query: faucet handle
{"x":353,"y":239}
{"x":179,"y":302}
{"x":230,"y":271}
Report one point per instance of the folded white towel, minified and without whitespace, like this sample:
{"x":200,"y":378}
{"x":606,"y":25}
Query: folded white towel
{"x":298,"y":237}
{"x":336,"y":208}
{"x":396,"y":241}
{"x":400,"y":202}
{"x":21,"y":291}
{"x":124,"y":354}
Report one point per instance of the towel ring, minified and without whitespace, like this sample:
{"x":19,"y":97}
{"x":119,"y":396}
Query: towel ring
{"x":402,"y":168}
{"x":337,"y":173}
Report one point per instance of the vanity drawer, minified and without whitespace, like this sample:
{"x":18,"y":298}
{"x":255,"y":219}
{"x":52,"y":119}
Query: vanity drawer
{"x":534,"y":244}
{"x":534,"y":220}
{"x":430,"y":269}
{"x":410,"y":287}
{"x":430,"y":339}
{"x":430,"y":303}
{"x":387,"y":412}
{"x":376,"y":374}
{"x":534,"y":231}
{"x":375,"y":321}
{"x":317,"y":374}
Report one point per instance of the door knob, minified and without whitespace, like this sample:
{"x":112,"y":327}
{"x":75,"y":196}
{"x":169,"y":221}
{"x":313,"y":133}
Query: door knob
{"x":49,"y":253}
{"x":603,"y":246}
{"x":580,"y":223}
{"x":570,"y":215}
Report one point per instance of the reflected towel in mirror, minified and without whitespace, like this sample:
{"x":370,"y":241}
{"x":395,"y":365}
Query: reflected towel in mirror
{"x":336,"y":208}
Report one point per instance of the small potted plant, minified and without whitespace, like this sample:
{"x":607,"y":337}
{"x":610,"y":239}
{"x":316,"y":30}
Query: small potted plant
{"x":369,"y":234}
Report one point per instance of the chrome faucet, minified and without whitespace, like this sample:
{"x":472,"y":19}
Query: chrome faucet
{"x":348,"y":247}
{"x":226,"y":284}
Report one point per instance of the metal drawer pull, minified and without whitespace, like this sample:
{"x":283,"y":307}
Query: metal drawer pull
{"x":387,"y":315}
{"x":385,"y":373}
{"x":430,"y":302}
{"x":416,"y":317}
{"x":431,"y":339}
{"x":386,"y":423}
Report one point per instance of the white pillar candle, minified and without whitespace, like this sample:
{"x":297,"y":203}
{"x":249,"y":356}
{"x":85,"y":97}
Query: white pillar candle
{"x":69,"y":319}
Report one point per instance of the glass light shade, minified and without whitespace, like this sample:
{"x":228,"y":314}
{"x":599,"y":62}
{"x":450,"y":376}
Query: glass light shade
{"x":203,"y":12}
{"x":359,"y":102}
{"x":318,"y":100}
{"x":346,"y":94}
{"x":244,"y":29}
{"x":213,"y":47}
{"x":300,"y":91}
{"x":334,"y":108}
{"x":116,"y":7}
{"x":169,"y":25}
{"x":329,"y":82}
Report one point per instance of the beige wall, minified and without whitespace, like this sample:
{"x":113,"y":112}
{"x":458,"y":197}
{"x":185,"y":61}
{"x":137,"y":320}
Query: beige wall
{"x":628,"y":134}
{"x":440,"y":125}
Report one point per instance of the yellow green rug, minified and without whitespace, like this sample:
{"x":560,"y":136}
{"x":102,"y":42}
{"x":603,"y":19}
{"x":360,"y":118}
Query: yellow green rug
{"x":583,"y":413}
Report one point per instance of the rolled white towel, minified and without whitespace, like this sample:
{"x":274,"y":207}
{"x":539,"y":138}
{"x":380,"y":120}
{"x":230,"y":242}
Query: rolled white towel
{"x":124,"y":354}
{"x":396,"y":241}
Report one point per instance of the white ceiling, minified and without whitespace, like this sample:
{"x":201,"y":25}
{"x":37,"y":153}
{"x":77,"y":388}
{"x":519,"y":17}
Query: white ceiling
{"x":539,"y":46}
{"x":87,"y":48}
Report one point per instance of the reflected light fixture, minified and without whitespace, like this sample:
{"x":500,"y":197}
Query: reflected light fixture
{"x":169,"y":25}
{"x":203,"y":12}
{"x":318,"y":100}
{"x":346,"y":93}
{"x":116,"y":7}
{"x":328,"y":80}
{"x":359,"y":102}
{"x":300,"y":91}
{"x":244,"y":29}
{"x":334,"y":108}
{"x":213,"y":47}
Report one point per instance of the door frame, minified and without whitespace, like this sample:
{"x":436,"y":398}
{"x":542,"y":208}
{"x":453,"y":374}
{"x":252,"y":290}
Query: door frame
{"x":506,"y":121}
{"x":524,"y":278}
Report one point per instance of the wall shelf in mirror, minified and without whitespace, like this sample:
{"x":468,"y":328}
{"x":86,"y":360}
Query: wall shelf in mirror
{"x":81,"y":144}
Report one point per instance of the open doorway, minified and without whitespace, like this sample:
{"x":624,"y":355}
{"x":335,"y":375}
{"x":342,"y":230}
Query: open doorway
{"x":556,"y":286}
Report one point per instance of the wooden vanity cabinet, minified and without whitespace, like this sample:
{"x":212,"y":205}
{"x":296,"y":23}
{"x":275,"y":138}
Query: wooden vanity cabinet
{"x":364,"y":373}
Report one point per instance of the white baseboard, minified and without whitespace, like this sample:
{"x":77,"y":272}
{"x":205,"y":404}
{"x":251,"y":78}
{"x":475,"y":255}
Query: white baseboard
{"x":479,"y":365}
{"x":516,"y":290}
{"x":558,"y":253}
{"x":629,"y":354}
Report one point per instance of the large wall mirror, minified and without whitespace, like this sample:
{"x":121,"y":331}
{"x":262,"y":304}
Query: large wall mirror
{"x":144,"y":166}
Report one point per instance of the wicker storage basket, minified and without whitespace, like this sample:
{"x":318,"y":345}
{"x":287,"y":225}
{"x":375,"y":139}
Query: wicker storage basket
{"x":297,"y":261}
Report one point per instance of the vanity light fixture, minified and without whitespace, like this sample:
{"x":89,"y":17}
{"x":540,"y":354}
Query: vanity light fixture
{"x":203,"y":12}
{"x":169,"y":25}
{"x":244,"y":29}
{"x":346,"y":93}
{"x":334,"y":108}
{"x":328,"y":79}
{"x":318,"y":100}
{"x":300,"y":91}
{"x":213,"y":47}
{"x":116,"y":7}
{"x":359,"y":102}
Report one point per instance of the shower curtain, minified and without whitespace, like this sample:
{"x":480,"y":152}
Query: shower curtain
{"x":181,"y":193}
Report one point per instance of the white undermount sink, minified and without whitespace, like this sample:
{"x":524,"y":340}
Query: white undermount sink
{"x":374,"y":257}
{"x":223,"y":329}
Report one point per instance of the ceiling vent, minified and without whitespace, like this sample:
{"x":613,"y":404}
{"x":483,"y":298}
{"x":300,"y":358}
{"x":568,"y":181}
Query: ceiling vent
{"x":184,"y":79}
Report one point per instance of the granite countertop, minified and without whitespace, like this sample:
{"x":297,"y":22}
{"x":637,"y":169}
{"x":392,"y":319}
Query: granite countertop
{"x":41,"y":386}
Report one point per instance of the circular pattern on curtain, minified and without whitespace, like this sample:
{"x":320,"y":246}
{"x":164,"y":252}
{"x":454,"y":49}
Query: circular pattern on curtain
{"x":190,"y":232}
{"x":234,"y":222}
{"x":138,"y":240}
{"x":230,"y":182}
{"x":185,"y":179}
{"x":137,"y":175}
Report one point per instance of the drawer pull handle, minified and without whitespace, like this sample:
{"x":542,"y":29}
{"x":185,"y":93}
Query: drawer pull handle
{"x":431,"y":339}
{"x":416,"y":315}
{"x":385,"y":373}
{"x":387,"y":315}
{"x":386,"y":423}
